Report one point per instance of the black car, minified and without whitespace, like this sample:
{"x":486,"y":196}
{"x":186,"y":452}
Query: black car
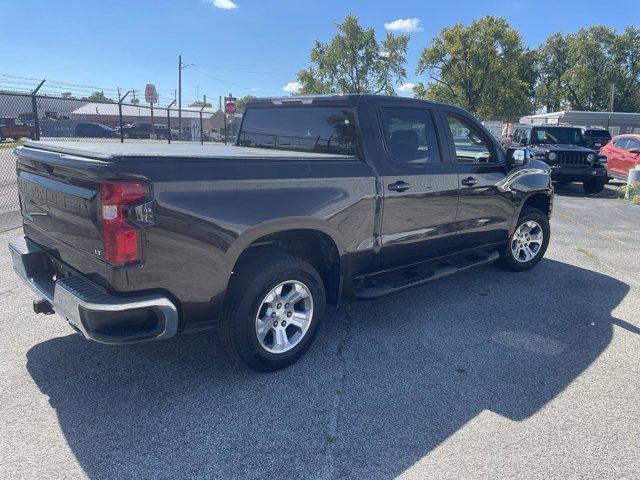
{"x":320,"y":198}
{"x":142,"y":130}
{"x":596,"y":138}
{"x":90,"y":129}
{"x":564,"y":149}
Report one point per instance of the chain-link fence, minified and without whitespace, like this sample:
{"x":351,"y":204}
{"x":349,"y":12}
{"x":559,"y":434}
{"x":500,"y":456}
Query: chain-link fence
{"x":42,"y":117}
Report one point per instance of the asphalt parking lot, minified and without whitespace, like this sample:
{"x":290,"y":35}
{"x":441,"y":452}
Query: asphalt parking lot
{"x":487,"y":374}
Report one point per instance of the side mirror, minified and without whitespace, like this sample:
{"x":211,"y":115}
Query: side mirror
{"x":516,"y":157}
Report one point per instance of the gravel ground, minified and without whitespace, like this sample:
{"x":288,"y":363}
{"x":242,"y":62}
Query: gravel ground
{"x":484,"y":375}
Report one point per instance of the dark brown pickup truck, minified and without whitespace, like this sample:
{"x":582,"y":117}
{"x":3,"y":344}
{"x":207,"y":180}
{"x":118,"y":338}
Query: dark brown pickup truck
{"x":320,"y":197}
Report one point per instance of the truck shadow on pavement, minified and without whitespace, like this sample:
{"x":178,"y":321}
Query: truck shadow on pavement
{"x":387,"y":382}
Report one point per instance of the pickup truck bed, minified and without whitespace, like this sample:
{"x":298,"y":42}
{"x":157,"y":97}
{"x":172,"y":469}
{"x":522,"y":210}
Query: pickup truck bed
{"x":119,"y":152}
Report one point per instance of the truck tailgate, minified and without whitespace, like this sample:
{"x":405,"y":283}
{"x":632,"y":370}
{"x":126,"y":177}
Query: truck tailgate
{"x":60,"y":208}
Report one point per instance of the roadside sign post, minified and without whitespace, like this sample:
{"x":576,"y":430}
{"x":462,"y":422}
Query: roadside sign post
{"x":151,"y":97}
{"x":229,"y":109}
{"x":153,"y":127}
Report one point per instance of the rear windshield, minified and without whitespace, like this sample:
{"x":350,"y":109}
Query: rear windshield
{"x":571,"y":136}
{"x":305,"y":129}
{"x":597,"y":133}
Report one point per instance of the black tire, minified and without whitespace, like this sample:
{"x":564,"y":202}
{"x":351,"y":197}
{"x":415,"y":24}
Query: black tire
{"x":507,"y":259}
{"x":594,"y":185}
{"x":247,"y":289}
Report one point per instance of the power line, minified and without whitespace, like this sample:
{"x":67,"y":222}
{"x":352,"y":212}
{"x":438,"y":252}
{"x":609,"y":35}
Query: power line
{"x":227,"y":82}
{"x":247,"y":71}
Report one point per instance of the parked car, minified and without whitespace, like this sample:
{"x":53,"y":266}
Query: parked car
{"x":15,"y":129}
{"x":596,"y":137}
{"x":564,"y":149}
{"x":623,"y":154}
{"x":186,"y":135}
{"x":143,"y":130}
{"x":255,"y":239}
{"x":90,"y":129}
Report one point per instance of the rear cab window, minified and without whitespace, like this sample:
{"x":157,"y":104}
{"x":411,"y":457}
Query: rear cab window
{"x":318,"y":129}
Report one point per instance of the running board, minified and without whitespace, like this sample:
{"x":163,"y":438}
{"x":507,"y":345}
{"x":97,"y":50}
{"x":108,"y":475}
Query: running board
{"x":420,"y":275}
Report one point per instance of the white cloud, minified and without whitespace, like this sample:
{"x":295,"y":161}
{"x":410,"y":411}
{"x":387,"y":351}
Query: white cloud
{"x":407,"y":87}
{"x":407,"y":25}
{"x":292,"y":87}
{"x":225,"y":4}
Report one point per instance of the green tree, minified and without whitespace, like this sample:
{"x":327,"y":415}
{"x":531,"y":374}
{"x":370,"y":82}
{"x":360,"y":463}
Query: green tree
{"x":99,"y":96}
{"x":354,"y":61}
{"x":552,"y":62}
{"x":484,"y":68}
{"x":626,"y":70}
{"x":240,"y":104}
{"x":590,"y":74}
{"x":580,"y":69}
{"x":200,"y":104}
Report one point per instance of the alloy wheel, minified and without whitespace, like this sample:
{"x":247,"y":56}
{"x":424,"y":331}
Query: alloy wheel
{"x":284,"y":316}
{"x":526,"y":241}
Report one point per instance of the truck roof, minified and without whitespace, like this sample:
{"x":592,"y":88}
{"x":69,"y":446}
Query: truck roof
{"x":336,"y":99}
{"x":115,"y":151}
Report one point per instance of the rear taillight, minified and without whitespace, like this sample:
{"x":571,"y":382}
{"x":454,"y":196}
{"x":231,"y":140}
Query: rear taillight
{"x":121,"y":238}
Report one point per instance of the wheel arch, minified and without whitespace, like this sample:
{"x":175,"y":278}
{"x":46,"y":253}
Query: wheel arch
{"x":316,"y":244}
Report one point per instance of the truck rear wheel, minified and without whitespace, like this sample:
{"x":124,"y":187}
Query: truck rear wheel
{"x":273,"y":313}
{"x":528,"y":242}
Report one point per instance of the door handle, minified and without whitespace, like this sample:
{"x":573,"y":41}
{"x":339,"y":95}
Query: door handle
{"x":399,"y":186}
{"x":469,"y":181}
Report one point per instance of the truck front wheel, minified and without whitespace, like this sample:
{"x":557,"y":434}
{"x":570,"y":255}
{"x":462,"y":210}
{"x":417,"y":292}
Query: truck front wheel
{"x":528,"y":242}
{"x":273,"y":312}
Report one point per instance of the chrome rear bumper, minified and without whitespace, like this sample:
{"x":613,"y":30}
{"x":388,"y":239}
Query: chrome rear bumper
{"x":90,"y":309}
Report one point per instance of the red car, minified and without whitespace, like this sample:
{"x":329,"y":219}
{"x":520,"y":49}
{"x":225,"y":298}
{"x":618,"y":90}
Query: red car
{"x":623,"y":154}
{"x":16,"y":129}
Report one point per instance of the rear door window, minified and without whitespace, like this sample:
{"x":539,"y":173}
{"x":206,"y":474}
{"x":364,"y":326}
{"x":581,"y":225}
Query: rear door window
{"x":320,"y":129}
{"x":409,"y":135}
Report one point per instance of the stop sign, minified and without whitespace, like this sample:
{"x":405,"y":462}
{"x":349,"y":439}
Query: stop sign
{"x":230,"y":107}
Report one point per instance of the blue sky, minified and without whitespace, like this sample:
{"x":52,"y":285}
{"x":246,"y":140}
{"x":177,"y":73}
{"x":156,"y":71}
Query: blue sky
{"x":255,"y":48}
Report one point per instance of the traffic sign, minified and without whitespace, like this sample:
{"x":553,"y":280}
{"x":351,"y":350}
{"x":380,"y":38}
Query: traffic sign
{"x":230,"y":107}
{"x":150,"y":93}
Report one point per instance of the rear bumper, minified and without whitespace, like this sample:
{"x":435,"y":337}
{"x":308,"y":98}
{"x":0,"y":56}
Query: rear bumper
{"x":91,"y":310}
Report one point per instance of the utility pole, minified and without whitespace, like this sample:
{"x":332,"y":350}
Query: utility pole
{"x":613,"y":89}
{"x":180,"y":67}
{"x":179,"y":94}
